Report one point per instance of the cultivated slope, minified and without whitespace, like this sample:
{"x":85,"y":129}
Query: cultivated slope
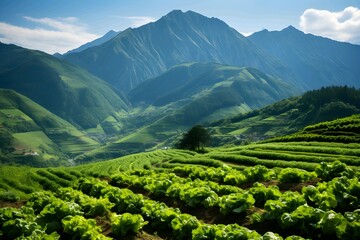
{"x":289,"y":115}
{"x":315,"y":61}
{"x":32,"y":135}
{"x":138,"y":54}
{"x":62,"y":88}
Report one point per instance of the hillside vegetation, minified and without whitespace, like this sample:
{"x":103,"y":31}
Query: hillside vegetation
{"x":261,"y":191}
{"x":189,"y":94}
{"x":31,"y":135}
{"x":287,"y":116}
{"x":284,"y":117}
{"x":62,"y":88}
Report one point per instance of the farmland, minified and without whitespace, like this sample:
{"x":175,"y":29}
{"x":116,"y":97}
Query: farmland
{"x":290,"y":187}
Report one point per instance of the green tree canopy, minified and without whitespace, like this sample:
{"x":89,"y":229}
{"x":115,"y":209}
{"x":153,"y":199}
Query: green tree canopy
{"x":195,"y":139}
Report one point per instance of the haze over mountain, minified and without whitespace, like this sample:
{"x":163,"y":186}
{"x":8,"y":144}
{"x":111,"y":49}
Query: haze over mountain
{"x":62,"y":88}
{"x":315,"y":61}
{"x":109,"y":35}
{"x":138,"y":54}
{"x":305,"y":60}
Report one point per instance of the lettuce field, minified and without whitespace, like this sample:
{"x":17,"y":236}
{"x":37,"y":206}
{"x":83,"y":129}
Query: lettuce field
{"x":285,"y":189}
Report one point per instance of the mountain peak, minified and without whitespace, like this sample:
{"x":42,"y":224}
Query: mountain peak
{"x":291,"y":29}
{"x":191,"y":18}
{"x":175,"y":11}
{"x":175,"y":14}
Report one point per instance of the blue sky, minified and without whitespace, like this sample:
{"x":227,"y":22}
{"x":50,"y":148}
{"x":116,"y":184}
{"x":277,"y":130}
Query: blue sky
{"x":59,"y":26}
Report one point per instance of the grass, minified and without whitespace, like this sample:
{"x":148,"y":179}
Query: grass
{"x":16,"y":120}
{"x":226,"y":112}
{"x":13,"y":113}
{"x":35,"y":142}
{"x":20,"y":174}
{"x":72,"y":141}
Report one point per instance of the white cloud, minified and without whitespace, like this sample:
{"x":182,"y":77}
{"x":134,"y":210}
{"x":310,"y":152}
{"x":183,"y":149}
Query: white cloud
{"x":137,"y":21}
{"x":50,"y":35}
{"x":341,"y":26}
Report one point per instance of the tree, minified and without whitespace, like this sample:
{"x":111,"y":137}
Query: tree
{"x":195,"y":139}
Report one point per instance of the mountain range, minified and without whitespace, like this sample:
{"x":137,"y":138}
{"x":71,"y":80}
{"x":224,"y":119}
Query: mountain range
{"x":139,"y":88}
{"x":138,"y":54}
{"x":64,"y":89}
{"x":316,"y":61}
{"x":135,"y":55}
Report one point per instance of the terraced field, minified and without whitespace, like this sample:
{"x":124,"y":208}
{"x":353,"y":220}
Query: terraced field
{"x":280,"y":189}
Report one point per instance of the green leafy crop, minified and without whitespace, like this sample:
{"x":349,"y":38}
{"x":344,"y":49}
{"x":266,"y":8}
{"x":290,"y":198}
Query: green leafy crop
{"x":125,"y":223}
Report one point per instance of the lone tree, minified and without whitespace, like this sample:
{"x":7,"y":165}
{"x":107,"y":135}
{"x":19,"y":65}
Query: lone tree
{"x":195,"y":139}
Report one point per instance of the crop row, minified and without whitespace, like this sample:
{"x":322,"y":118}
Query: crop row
{"x":310,"y":137}
{"x":338,"y":198}
{"x":160,"y":216}
{"x":299,"y":157}
{"x":331,"y":149}
{"x":252,"y":161}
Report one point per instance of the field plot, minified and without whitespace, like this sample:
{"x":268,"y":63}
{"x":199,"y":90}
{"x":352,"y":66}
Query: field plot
{"x":279,"y":189}
{"x":190,"y":202}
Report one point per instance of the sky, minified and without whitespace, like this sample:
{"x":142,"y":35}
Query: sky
{"x":61,"y":25}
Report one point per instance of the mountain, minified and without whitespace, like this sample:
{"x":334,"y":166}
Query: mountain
{"x":217,"y":83}
{"x":64,"y":89}
{"x":288,"y":116}
{"x":109,"y":35}
{"x":210,"y":91}
{"x":138,"y":54}
{"x":189,"y":94}
{"x":315,"y":61}
{"x":32,"y":135}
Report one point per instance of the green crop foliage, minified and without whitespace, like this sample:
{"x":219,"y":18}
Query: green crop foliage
{"x":125,"y":223}
{"x":81,"y":228}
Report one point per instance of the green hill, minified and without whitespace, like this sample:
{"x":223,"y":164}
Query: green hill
{"x":288,"y":116}
{"x":189,"y":81}
{"x":64,"y":89}
{"x":31,"y":135}
{"x":190,"y":94}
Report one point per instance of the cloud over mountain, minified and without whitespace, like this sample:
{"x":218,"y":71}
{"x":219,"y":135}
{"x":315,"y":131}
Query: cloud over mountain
{"x":137,"y":21}
{"x":341,"y":26}
{"x":49,"y":34}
